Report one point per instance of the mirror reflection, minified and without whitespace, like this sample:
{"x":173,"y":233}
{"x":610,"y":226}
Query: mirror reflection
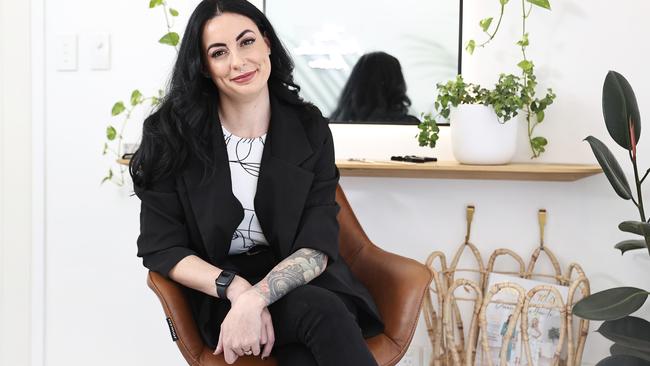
{"x":376,"y":61}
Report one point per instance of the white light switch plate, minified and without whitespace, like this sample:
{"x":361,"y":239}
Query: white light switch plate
{"x":100,"y":51}
{"x":66,"y":52}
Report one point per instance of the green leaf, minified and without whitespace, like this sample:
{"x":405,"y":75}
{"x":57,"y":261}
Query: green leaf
{"x":635,"y":227}
{"x":170,"y":38}
{"x":524,"y":41}
{"x":136,"y":97}
{"x":622,"y":360}
{"x":108,"y":177}
{"x":525,"y":65}
{"x":631,"y":332}
{"x":470,"y":46}
{"x":485,"y":23}
{"x":173,"y":12}
{"x":111,"y":133}
{"x":627,"y":245}
{"x":154,"y":3}
{"x":539,"y":141}
{"x":118,"y":108}
{"x":617,"y":349}
{"x":619,"y":108}
{"x":540,"y":116}
{"x":541,"y":3}
{"x":610,"y":166}
{"x":611,"y":304}
{"x":503,"y":2}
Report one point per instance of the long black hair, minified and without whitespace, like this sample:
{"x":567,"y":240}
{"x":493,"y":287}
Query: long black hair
{"x":184,"y":123}
{"x":375,"y":91}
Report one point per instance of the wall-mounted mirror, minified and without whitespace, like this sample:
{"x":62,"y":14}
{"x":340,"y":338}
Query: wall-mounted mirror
{"x":370,"y":61}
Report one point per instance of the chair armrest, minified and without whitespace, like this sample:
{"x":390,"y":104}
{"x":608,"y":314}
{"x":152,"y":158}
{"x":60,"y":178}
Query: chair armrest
{"x":177,"y":309}
{"x":398,"y":286}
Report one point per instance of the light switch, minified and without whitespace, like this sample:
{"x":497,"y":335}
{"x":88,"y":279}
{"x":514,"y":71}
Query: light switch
{"x":100,"y":52}
{"x":66,"y":52}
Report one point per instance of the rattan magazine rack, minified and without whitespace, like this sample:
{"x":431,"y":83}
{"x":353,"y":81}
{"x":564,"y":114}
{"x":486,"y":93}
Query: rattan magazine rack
{"x":486,"y":339}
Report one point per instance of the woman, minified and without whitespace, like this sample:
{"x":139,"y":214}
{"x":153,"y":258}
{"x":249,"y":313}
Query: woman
{"x":237,"y":180}
{"x":375,"y":92}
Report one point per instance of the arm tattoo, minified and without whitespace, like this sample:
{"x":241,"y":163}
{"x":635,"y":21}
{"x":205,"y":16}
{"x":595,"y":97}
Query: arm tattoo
{"x":296,"y":270}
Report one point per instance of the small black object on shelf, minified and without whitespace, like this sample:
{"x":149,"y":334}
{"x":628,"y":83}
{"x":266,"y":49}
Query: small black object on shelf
{"x":413,"y":158}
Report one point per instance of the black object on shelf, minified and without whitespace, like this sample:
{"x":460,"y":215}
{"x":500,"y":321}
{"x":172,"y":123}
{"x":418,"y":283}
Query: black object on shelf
{"x":413,"y":158}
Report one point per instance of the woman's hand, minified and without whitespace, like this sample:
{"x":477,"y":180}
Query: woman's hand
{"x":246,"y":327}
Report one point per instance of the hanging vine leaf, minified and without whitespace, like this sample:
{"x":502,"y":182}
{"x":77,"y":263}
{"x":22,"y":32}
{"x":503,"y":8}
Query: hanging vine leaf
{"x":136,"y":97}
{"x":118,"y":108}
{"x":485,"y":24}
{"x":470,"y":46}
{"x":154,"y":3}
{"x":610,"y":166}
{"x":108,"y":177}
{"x":541,"y":3}
{"x":171,"y":38}
{"x":111,"y":133}
{"x":173,"y":12}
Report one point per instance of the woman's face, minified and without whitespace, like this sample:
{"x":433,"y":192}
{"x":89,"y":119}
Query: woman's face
{"x":236,"y":55}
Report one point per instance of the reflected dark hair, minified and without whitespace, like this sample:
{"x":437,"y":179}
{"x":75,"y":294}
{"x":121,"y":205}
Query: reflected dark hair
{"x":183,"y":125}
{"x":375,"y":90}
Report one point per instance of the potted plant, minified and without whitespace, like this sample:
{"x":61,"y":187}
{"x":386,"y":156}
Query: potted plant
{"x":522,"y":88}
{"x":480,"y":134}
{"x":631,"y":335}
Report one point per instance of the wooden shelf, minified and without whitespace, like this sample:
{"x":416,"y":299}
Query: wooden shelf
{"x":455,"y":170}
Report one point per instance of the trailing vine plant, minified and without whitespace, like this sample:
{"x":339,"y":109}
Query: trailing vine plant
{"x":114,"y":144}
{"x":532,"y":106}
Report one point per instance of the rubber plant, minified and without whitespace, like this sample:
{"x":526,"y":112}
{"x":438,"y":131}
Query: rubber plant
{"x":114,"y":144}
{"x":521,"y":94}
{"x":630,"y":334}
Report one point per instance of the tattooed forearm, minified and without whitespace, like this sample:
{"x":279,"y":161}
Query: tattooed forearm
{"x":298,"y":269}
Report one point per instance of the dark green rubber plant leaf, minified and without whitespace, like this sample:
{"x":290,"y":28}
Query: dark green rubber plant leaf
{"x":622,"y":360}
{"x":630,"y":332}
{"x":610,"y":166}
{"x":627,"y":245}
{"x":635,"y":227}
{"x":614,"y":303}
{"x":617,"y":349}
{"x":619,"y":109}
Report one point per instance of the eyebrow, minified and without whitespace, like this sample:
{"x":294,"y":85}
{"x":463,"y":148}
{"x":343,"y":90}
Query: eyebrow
{"x":236,"y":39}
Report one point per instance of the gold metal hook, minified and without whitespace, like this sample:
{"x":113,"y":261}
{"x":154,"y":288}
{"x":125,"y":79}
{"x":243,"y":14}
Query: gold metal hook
{"x":470,"y":218}
{"x":541,"y":216}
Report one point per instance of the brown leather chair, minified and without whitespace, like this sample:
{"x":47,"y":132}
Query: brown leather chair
{"x":397,"y":285}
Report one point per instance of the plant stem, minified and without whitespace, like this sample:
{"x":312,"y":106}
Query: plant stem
{"x":645,"y":175}
{"x":169,"y":25}
{"x":638,"y":188}
{"x":496,"y":29}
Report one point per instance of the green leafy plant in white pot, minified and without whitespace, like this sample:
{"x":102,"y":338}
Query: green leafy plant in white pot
{"x":511,"y":95}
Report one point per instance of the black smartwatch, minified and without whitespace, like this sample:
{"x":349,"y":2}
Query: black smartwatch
{"x":223,"y":281}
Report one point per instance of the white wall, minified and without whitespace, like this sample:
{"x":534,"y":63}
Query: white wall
{"x":98,"y":306}
{"x":15,"y":177}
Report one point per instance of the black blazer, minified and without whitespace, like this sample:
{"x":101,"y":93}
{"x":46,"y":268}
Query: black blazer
{"x":295,"y":204}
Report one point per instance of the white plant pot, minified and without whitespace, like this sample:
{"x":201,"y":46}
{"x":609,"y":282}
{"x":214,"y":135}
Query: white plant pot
{"x":477,"y":136}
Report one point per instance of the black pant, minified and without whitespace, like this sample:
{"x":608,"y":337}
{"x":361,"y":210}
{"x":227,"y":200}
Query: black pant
{"x":313,"y":325}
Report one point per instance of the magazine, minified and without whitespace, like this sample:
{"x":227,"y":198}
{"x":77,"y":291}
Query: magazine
{"x":543,"y":325}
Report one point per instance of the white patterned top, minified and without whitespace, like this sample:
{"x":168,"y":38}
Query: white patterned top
{"x":245,"y":156}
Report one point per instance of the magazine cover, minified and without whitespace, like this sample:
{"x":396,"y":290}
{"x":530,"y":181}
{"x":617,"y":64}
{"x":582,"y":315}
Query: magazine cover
{"x":543,"y":324}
